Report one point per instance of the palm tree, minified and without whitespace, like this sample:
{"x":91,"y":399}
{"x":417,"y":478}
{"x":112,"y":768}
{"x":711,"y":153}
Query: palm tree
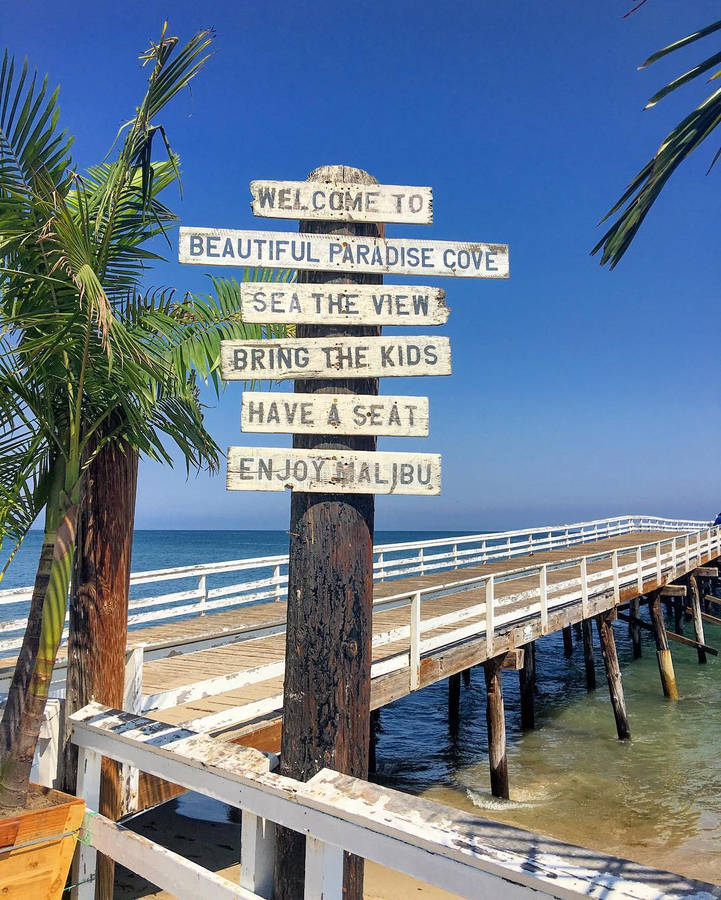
{"x":88,"y":360}
{"x":678,"y":144}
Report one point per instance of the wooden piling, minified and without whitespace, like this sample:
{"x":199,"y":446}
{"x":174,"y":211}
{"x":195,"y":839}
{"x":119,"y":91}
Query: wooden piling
{"x":694,"y":601}
{"x":567,"y":641}
{"x":454,"y":702}
{"x":527,"y":685}
{"x":678,"y":605}
{"x":587,"y":633}
{"x":467,"y":678}
{"x":496,"y":722}
{"x":634,"y":628}
{"x":326,"y":705}
{"x":613,"y":674}
{"x":663,"y":654}
{"x":375,"y":727}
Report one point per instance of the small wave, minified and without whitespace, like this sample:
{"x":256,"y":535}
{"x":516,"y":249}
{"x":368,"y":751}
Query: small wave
{"x":487,"y":801}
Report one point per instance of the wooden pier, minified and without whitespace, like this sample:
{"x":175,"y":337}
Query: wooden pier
{"x":213,"y":680}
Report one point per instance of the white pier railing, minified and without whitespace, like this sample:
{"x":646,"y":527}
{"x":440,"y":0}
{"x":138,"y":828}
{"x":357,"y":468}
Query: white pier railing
{"x":266,"y":578}
{"x":447,"y":848}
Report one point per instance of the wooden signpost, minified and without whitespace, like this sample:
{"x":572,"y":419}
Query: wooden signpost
{"x":364,"y":304}
{"x":333,"y":471}
{"x":341,"y":357}
{"x":338,"y":306}
{"x":339,"y":201}
{"x":328,"y":253}
{"x":272,"y":412}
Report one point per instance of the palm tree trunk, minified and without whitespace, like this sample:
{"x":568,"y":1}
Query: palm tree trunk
{"x":23,"y":715}
{"x":99,"y":613}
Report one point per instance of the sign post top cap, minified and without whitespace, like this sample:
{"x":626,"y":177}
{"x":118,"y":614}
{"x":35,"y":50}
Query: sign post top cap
{"x":349,"y":174}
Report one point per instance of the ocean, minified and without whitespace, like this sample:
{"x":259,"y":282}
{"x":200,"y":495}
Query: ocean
{"x":655,"y":799}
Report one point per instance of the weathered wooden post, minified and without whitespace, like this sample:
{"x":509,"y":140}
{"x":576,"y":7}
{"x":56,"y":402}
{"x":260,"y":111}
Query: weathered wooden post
{"x":466,"y":678}
{"x":567,"y":641}
{"x":613,"y":673}
{"x":663,"y":654}
{"x":454,"y":703}
{"x":326,"y":696}
{"x":634,"y":628}
{"x":496,"y":722}
{"x":694,"y":598}
{"x":527,"y":687}
{"x":334,"y":415}
{"x":587,"y":632}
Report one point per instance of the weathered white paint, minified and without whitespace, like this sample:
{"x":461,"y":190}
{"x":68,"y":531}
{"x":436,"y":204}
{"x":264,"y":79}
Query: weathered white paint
{"x":342,"y":201}
{"x":329,"y":304}
{"x":333,"y":471}
{"x":257,"y":854}
{"x":271,"y":412}
{"x":327,"y":252}
{"x":170,"y":871}
{"x":334,"y":357}
{"x":323,"y":870}
{"x":444,"y":847}
{"x":132,"y":702}
{"x":88,"y":787}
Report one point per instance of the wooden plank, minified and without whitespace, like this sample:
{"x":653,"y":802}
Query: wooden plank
{"x":689,"y":642}
{"x":706,"y":572}
{"x":341,"y":357}
{"x":342,"y":201}
{"x":336,"y":471}
{"x":332,"y":304}
{"x":673,"y":590}
{"x":343,"y":253}
{"x":269,"y":412}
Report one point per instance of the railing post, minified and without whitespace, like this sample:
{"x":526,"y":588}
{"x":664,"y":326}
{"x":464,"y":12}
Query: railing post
{"x":132,"y":702}
{"x":639,"y":570}
{"x":323,"y":870}
{"x":490,"y":616}
{"x":381,"y":568}
{"x":257,"y":854}
{"x":88,"y":787}
{"x":543,"y":584}
{"x":415,"y":642}
{"x":484,"y":558}
{"x":508,"y":544}
{"x":584,"y":587}
{"x":659,"y":567}
{"x":455,"y":556}
{"x":687,"y":548}
{"x":530,"y":543}
{"x":202,"y":595}
{"x":276,"y":578}
{"x":614,"y":567}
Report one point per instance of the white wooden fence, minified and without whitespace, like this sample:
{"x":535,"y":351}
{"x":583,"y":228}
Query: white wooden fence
{"x":267,"y":577}
{"x":448,"y":848}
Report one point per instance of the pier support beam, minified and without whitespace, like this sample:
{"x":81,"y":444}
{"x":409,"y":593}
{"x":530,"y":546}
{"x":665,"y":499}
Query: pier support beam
{"x":375,"y":728}
{"x":454,"y":702}
{"x":663,"y":654}
{"x":587,"y":632}
{"x":527,"y":687}
{"x":567,"y":641}
{"x":634,"y":629}
{"x":694,"y":600}
{"x":496,"y":722}
{"x":467,"y":678}
{"x":613,"y":674}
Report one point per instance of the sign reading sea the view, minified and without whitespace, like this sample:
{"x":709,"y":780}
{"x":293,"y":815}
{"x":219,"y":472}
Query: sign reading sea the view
{"x":320,"y":360}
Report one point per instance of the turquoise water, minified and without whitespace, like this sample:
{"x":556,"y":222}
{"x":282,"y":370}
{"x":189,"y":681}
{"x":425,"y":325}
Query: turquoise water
{"x":656,"y":799}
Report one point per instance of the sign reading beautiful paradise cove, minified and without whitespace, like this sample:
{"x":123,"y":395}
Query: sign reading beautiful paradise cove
{"x":346,"y":356}
{"x":327,"y":252}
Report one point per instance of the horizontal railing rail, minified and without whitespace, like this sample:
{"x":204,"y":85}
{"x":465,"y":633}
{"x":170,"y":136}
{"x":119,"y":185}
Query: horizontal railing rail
{"x":268,"y":575}
{"x":447,"y":848}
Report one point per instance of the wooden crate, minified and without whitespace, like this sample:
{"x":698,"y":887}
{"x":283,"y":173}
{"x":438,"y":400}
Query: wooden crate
{"x":36,"y":849}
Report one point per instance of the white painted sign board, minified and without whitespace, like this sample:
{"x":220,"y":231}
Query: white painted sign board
{"x":333,"y":471}
{"x":334,"y":357}
{"x":362,"y":304}
{"x":342,"y":253}
{"x":273,"y":412}
{"x":342,"y":201}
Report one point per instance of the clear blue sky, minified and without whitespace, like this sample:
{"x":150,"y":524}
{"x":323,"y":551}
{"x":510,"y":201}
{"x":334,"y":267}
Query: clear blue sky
{"x":576,"y":392}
